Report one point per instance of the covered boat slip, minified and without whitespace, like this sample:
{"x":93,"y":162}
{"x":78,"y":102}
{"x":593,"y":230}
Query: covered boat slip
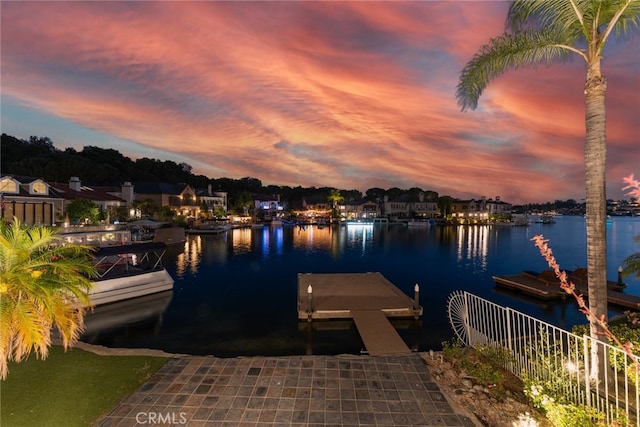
{"x":367,"y":298}
{"x":116,"y":261}
{"x":129,"y":271}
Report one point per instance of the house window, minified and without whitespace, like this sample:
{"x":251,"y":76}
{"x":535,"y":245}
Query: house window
{"x":7,"y":185}
{"x":38,"y":188}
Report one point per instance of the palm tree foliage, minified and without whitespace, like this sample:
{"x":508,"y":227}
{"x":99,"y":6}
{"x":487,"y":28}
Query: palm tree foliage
{"x":542,"y":32}
{"x":631,"y":264}
{"x":43,"y":284}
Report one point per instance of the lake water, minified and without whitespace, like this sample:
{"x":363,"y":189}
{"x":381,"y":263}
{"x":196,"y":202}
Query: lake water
{"x":236,"y":294}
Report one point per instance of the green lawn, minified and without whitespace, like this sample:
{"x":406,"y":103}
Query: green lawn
{"x":73,"y":388}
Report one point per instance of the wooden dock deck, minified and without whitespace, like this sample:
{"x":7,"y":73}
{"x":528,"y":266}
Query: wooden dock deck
{"x":529,"y":284}
{"x":367,"y":298}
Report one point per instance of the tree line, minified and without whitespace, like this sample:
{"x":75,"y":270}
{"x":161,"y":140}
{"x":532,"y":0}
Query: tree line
{"x":38,"y":157}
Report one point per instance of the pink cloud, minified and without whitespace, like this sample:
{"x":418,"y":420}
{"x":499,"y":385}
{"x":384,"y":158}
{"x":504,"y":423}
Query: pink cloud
{"x":351,"y":95}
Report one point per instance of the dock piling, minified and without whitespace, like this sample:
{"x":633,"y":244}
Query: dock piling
{"x":416,"y":301}
{"x":620,"y":284}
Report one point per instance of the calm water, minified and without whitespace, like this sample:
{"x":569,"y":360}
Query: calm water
{"x":235,"y":294}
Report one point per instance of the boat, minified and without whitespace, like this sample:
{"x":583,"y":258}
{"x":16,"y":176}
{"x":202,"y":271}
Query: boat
{"x":358,"y":223}
{"x":424,"y":223}
{"x":547,"y":219}
{"x":209,"y":229}
{"x":129,"y":271}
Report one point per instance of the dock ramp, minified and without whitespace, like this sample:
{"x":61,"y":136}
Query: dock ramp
{"x":367,"y":298}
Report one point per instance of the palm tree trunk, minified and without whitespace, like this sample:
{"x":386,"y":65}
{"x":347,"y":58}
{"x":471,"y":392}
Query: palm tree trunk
{"x":596,"y":202}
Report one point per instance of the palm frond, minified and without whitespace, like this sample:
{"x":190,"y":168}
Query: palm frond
{"x":509,"y":51}
{"x":43,"y":284}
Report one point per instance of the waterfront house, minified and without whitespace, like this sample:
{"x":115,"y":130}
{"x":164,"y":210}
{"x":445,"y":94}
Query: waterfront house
{"x":268,"y":207}
{"x":312,"y":209}
{"x":483,"y":210}
{"x":215,"y":201}
{"x":29,"y":199}
{"x":181,"y":198}
{"x":102,"y":196}
{"x":397,"y":207}
{"x":424,"y":207}
{"x":359,"y":209}
{"x":405,"y":206}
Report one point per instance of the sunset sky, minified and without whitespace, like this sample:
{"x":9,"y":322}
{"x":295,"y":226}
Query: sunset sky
{"x":351,"y":95}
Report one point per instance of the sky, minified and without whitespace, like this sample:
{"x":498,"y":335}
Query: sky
{"x":350,"y":95}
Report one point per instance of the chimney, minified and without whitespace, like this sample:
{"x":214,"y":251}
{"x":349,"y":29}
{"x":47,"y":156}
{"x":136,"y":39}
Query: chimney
{"x":209,"y":192}
{"x":127,"y":193}
{"x":74,"y":183}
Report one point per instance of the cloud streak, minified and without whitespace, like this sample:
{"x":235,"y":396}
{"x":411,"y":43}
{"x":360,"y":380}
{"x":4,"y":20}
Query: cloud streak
{"x":343,"y":94}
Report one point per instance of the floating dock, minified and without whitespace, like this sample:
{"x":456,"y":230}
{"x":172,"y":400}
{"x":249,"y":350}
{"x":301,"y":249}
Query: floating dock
{"x":367,"y":298}
{"x":545,"y":289}
{"x":530,"y":285}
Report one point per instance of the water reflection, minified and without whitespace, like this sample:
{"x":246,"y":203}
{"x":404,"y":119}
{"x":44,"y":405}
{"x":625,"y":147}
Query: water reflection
{"x":235,"y":293}
{"x":472,"y":245}
{"x":240,"y":240}
{"x":146,"y":310}
{"x":188,"y":259}
{"x":311,"y":239}
{"x":359,"y":237}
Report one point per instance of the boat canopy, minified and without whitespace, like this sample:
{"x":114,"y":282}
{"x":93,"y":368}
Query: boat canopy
{"x":129,"y":249}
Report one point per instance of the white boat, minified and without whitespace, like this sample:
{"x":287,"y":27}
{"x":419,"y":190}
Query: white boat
{"x":129,"y":271}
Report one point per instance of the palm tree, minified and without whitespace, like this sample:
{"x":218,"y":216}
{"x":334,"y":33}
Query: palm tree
{"x":43,"y":284}
{"x":549,"y":30}
{"x":335,"y":198}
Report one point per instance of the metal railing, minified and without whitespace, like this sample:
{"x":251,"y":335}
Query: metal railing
{"x":543,"y":352}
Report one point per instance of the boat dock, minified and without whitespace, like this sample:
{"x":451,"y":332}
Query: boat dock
{"x":367,"y":298}
{"x":541,"y":288}
{"x":530,"y":285}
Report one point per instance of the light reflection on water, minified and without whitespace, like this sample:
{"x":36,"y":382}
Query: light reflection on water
{"x":235,"y":294}
{"x":472,"y":245}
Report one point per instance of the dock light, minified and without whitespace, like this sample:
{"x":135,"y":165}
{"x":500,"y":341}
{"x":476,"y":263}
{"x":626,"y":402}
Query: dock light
{"x":416,"y":297}
{"x":620,"y":277}
{"x":310,"y":307}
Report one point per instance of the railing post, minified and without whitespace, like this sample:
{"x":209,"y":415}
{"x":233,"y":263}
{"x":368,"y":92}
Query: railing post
{"x":507,"y":313}
{"x":587,"y":369}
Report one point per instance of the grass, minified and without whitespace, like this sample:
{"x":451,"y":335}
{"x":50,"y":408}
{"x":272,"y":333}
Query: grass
{"x":72,"y":388}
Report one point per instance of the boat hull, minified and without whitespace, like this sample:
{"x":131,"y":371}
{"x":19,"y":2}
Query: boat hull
{"x":126,"y":287}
